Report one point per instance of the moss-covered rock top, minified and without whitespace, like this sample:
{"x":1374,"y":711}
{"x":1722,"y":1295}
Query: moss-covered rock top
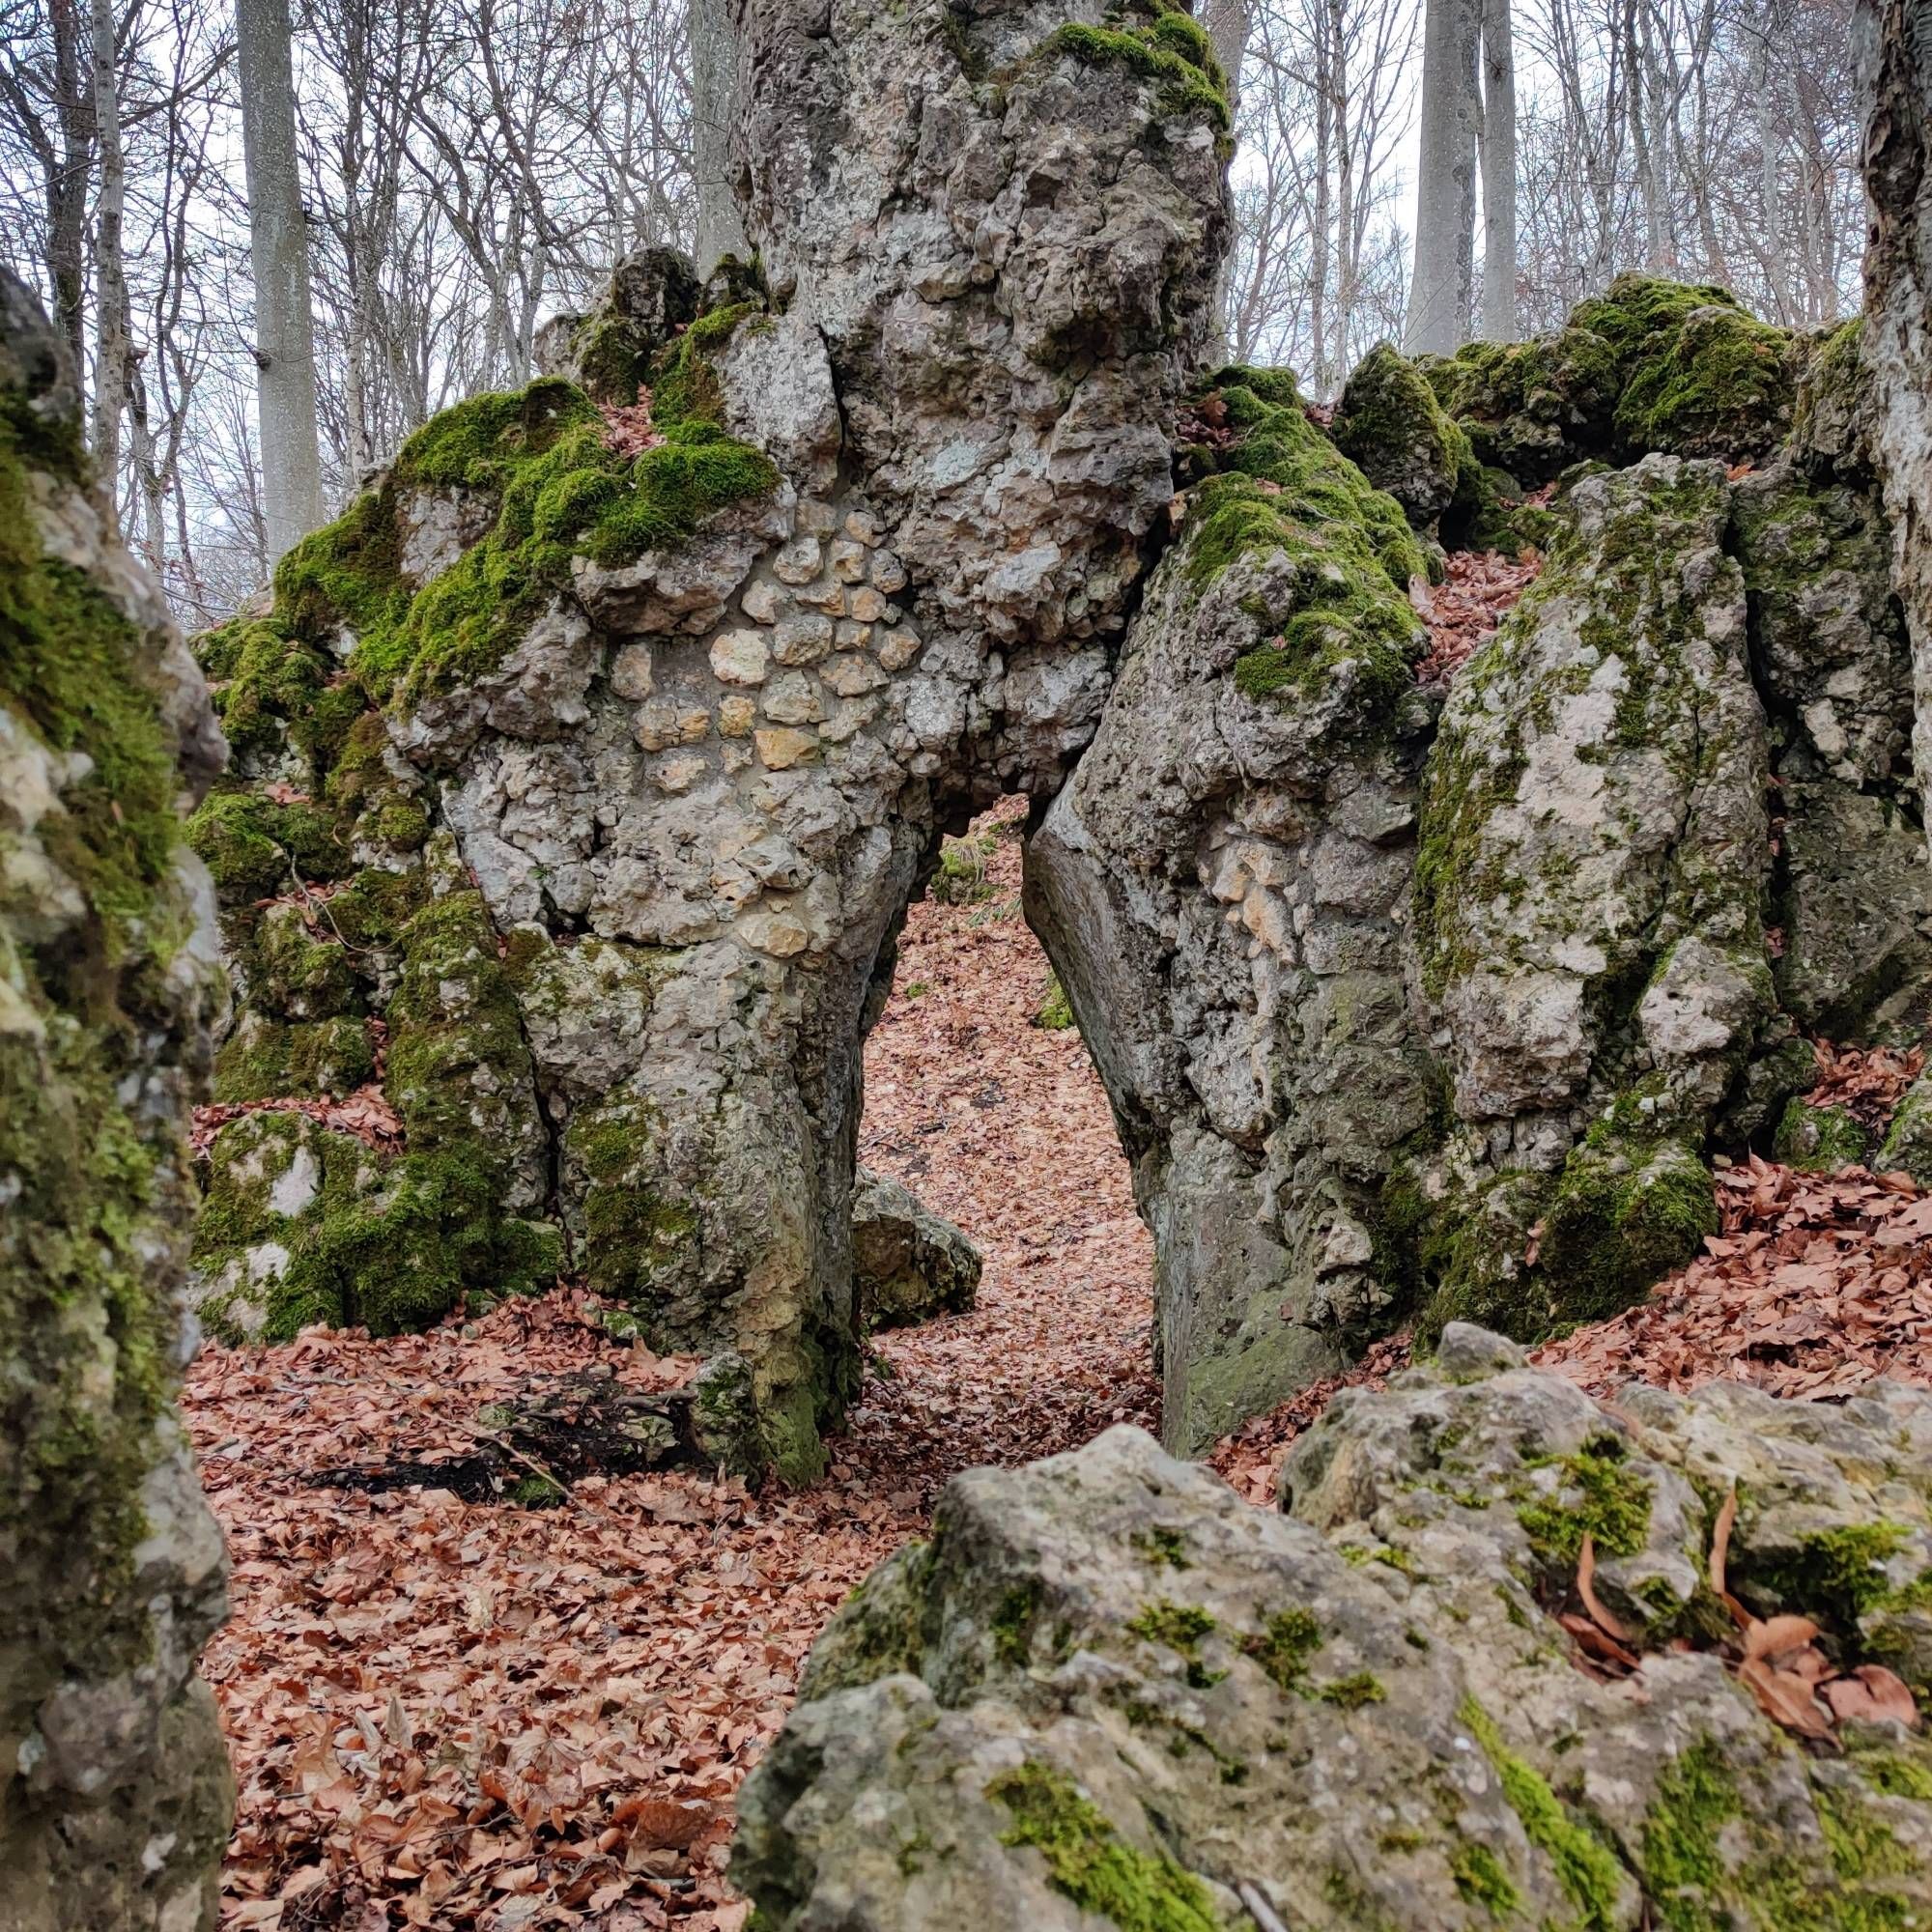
{"x":1281,"y":490}
{"x":1650,"y":365}
{"x":1391,"y":425}
{"x":1161,"y":42}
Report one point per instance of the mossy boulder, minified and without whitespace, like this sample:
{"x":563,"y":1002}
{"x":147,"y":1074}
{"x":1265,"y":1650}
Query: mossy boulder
{"x":1822,"y":1140}
{"x":1907,"y":1146}
{"x":1389,"y":424}
{"x":1532,"y":408}
{"x":1589,"y":896}
{"x":115,"y":1792}
{"x":653,"y":295}
{"x":265,"y":1059}
{"x":1343,"y":551}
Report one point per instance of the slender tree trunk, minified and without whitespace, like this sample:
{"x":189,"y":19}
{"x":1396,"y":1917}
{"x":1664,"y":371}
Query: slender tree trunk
{"x":278,"y":252}
{"x":714,"y":97}
{"x":110,"y":277}
{"x":1446,"y":219}
{"x":1320,"y":236}
{"x":1348,"y":243}
{"x":1227,"y":23}
{"x":66,"y":184}
{"x":1498,"y":155}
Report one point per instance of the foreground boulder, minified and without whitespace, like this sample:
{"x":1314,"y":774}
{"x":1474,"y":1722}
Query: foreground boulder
{"x":1109,"y":1692}
{"x":117,"y":1794}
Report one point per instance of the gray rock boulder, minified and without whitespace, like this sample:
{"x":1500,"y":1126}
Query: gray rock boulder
{"x":117,"y":1795}
{"x":908,"y":1264}
{"x":1224,"y":888}
{"x":1109,"y":1692}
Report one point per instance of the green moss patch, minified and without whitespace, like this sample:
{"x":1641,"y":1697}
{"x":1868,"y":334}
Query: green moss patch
{"x":1091,"y":1864}
{"x":1170,"y":50}
{"x":1283,"y":1648}
{"x":1282,"y":487}
{"x":1599,"y":1495}
{"x":1585,"y":1866}
{"x":1623,"y":1216}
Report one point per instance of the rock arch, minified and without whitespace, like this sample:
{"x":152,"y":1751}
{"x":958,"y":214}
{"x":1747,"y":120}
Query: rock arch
{"x":596,"y":751}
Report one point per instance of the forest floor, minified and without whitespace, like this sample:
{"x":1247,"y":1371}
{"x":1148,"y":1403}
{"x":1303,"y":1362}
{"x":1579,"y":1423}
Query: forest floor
{"x":459,"y":1713}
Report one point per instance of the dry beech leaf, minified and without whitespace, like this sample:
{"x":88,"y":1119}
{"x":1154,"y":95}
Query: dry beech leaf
{"x":1786,"y":1700}
{"x":1586,"y":1578}
{"x":1871,"y":1695}
{"x":1721,"y":1540}
{"x":1597,"y":1643}
{"x":1775,"y":1635}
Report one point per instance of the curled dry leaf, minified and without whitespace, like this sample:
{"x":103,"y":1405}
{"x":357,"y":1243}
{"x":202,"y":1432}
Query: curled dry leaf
{"x":1872,"y":1694}
{"x":1777,"y":1634}
{"x":1785,"y":1699}
{"x":1586,"y":1578}
{"x":1720,"y":1541}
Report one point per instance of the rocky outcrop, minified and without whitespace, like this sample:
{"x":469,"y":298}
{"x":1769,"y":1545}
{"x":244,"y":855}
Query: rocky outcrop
{"x":1223,"y":888}
{"x":908,"y":1264}
{"x":1420,"y":1004}
{"x":586,"y":765}
{"x":117,"y":1792}
{"x":1107,"y":1692}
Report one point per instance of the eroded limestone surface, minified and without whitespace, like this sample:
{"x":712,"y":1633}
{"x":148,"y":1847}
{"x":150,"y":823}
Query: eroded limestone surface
{"x":1109,"y":1692}
{"x":117,"y":1794}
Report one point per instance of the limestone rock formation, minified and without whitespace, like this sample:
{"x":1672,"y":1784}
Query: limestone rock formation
{"x":117,"y":1792}
{"x":1223,"y":888}
{"x":1109,"y":1692}
{"x":908,"y":1264}
{"x":1409,"y":1012}
{"x":586,"y":766}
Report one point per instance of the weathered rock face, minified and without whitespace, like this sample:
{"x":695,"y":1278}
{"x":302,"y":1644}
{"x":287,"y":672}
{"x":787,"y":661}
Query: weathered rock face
{"x":586,"y":765}
{"x":623,"y":746}
{"x":908,"y":1264}
{"x":1223,"y":888}
{"x":117,"y":1793}
{"x":1108,"y":1691}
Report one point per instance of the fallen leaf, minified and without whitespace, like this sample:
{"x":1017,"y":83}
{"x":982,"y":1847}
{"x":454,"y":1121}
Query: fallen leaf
{"x":1586,"y":1573}
{"x":1872,"y":1694}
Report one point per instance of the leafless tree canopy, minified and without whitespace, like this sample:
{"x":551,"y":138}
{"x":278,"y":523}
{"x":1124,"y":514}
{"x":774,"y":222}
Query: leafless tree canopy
{"x":468,"y":166}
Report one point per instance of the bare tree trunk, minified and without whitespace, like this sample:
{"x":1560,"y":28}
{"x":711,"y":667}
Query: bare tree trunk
{"x":1347,"y":246}
{"x":1322,"y":226}
{"x":278,"y":254}
{"x":66,"y":184}
{"x":110,"y":275}
{"x":1227,"y":23}
{"x":714,"y":89}
{"x":1498,"y":155}
{"x":1437,"y":323}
